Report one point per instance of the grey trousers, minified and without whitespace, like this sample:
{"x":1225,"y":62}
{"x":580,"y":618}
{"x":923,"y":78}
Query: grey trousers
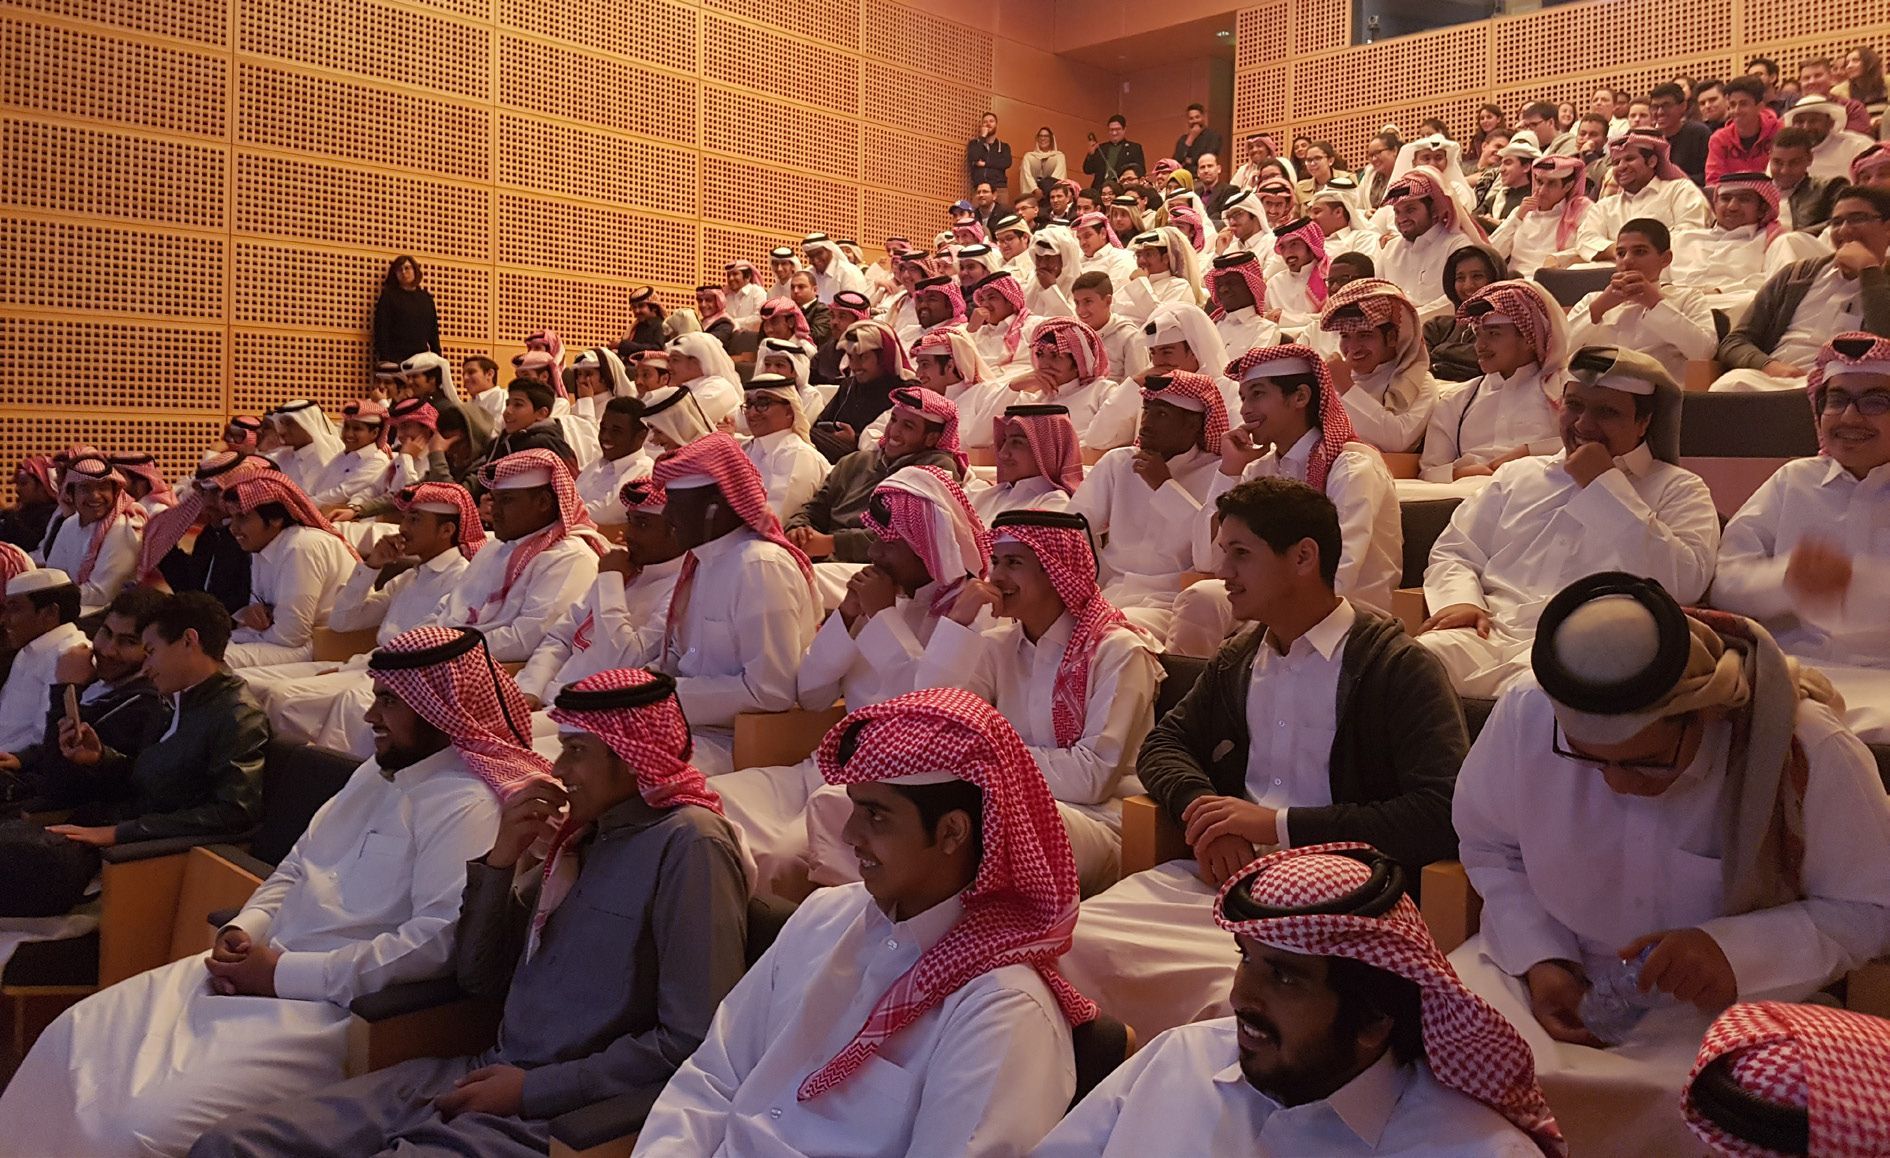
{"x":387,"y":1112}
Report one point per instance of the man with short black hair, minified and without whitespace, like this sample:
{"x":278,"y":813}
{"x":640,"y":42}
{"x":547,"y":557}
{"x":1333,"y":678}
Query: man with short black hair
{"x":1105,"y":161}
{"x":1687,"y":138}
{"x":987,"y":159}
{"x":1196,"y":140}
{"x":1804,"y":201}
{"x":40,"y":618}
{"x":1744,"y":143}
{"x":1639,"y":309}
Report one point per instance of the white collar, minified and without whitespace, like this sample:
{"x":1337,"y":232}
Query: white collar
{"x":922,"y":929}
{"x":59,"y":639}
{"x":1302,"y":450}
{"x":443,"y":560}
{"x":1324,"y":636}
{"x":733,"y":541}
{"x":1834,"y":472}
{"x":1364,"y":1104}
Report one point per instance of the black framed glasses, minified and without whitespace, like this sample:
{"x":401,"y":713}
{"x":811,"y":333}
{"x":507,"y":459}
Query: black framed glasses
{"x":1669,"y":767}
{"x":1870,"y":404}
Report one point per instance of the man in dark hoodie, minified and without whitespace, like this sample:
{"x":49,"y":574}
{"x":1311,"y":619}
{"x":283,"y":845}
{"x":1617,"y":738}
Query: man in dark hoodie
{"x":876,"y":366}
{"x":1453,"y":343}
{"x":922,"y":431}
{"x":1329,"y":724}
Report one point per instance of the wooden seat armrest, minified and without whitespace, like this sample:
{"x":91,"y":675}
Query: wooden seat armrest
{"x":1451,"y":908}
{"x":151,"y":892}
{"x":1407,"y":604}
{"x":419,"y":1019}
{"x":778,"y":739}
{"x":1149,"y":837}
{"x":606,"y":1129}
{"x":981,"y":455}
{"x":1402,"y":464}
{"x":331,"y":645}
{"x":1701,"y":373}
{"x":1867,"y":988}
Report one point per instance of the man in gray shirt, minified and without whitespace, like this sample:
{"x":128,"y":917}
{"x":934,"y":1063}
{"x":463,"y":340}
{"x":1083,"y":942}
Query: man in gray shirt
{"x":612,"y":953}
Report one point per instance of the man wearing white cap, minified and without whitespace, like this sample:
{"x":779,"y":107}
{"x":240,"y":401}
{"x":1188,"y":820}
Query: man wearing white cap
{"x":1651,"y":185}
{"x":831,"y":269}
{"x":1698,"y":829}
{"x":1167,"y":271}
{"x":791,"y":469}
{"x":309,"y":440}
{"x":1809,"y":553}
{"x":1613,"y":499}
{"x":40,"y":622}
{"x":1836,"y":145}
{"x":1511,"y":186}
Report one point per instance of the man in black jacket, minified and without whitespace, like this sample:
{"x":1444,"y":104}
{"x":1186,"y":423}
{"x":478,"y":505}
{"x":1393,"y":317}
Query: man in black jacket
{"x":922,"y":431}
{"x":987,"y":159}
{"x":1329,"y":725}
{"x":199,"y":773}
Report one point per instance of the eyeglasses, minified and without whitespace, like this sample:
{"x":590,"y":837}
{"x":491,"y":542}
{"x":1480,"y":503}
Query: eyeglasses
{"x":763,"y":403}
{"x":1850,"y":220}
{"x":1669,"y":767}
{"x":1870,"y":404}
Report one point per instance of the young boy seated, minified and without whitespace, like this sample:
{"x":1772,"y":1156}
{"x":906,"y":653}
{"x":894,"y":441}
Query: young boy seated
{"x":528,"y":423}
{"x":919,"y":1011}
{"x":360,"y":470}
{"x":1638,"y":310}
{"x":1094,"y":296}
{"x":298,"y":564}
{"x":611,"y":955}
{"x":621,"y":435}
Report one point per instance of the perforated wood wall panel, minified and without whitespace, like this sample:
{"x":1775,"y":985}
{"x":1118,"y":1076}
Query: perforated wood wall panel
{"x":1259,"y":100}
{"x":1260,"y":34}
{"x":1583,"y":38}
{"x":763,"y":60}
{"x":1321,"y":24}
{"x":42,"y":159}
{"x":902,"y":34}
{"x":278,"y":109}
{"x":1395,"y":72}
{"x":101,"y":77}
{"x":180,"y":364}
{"x":72,"y":266}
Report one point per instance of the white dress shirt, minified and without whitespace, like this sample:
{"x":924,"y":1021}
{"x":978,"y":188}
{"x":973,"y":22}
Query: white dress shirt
{"x":554,"y":580}
{"x":115,"y":566}
{"x":1045,"y":301}
{"x":1573,"y":870}
{"x":1833,"y":156}
{"x":297,"y":577}
{"x":598,"y":484}
{"x":1150,"y":530}
{"x":408,"y":600}
{"x":1374,"y":422}
{"x":1676,"y":203}
{"x":1352,"y":240}
{"x":1034,"y":493}
{"x":1473,"y":422}
{"x":303,"y":464}
{"x":1527,"y":239}
{"x":1115,"y":261}
{"x":840,"y":275}
{"x":1417,"y":268}
{"x":872,"y":662}
{"x":25,"y":698}
{"x":1676,"y":331}
{"x":988,"y":1070}
{"x":978,"y":403}
{"x":350,"y":475}
{"x":745,"y":303}
{"x":1532,"y":531}
{"x":1371,"y":531}
{"x":1719,"y":261}
{"x":742,"y":626}
{"x":1184,"y":1093}
{"x":1833,"y":305}
{"x":1139,"y":297}
{"x":791,"y":470}
{"x":626,"y":631}
{"x":1292,"y":717}
{"x":369,"y":896}
{"x":1813,"y":499}
{"x":1243,"y":329}
{"x":491,"y":402}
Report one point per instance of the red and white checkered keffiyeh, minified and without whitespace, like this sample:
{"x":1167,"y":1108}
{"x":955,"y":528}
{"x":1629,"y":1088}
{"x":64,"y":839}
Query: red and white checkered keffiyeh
{"x":472,"y":535}
{"x":94,"y":469}
{"x":1053,"y":440}
{"x":1097,"y":220}
{"x":1335,"y":424}
{"x":371,"y":413}
{"x":275,"y":487}
{"x":40,"y":467}
{"x":1250,"y":271}
{"x":786,"y":307}
{"x":949,"y":341}
{"x":416,"y":411}
{"x":1068,"y":558}
{"x":1761,"y":186}
{"x":1380,"y":301}
{"x":468,"y":696}
{"x":1867,"y":163}
{"x":573,"y":518}
{"x":927,"y":511}
{"x":1830,"y":1063}
{"x":1576,"y":203}
{"x":1187,"y":218}
{"x":948,"y":288}
{"x":717,"y":295}
{"x":1423,"y":182}
{"x":13,"y":561}
{"x":543,"y":365}
{"x":246,"y":428}
{"x":165,"y":529}
{"x":1003,"y":286}
{"x":1652,"y":141}
{"x":1019,"y":910}
{"x":145,"y":466}
{"x":1306,"y":230}
{"x":1162,"y":169}
{"x":1201,"y":389}
{"x":1833,"y":360}
{"x":1468,"y":1045}
{"x":935,"y":408}
{"x":1528,"y":309}
{"x":1072,"y":337}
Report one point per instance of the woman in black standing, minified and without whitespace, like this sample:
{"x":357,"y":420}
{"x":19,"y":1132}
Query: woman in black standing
{"x":405,"y":321}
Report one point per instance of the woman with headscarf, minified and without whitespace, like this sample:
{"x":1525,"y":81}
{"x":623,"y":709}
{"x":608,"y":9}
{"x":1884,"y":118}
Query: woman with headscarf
{"x":405,"y":319}
{"x":1450,"y":340}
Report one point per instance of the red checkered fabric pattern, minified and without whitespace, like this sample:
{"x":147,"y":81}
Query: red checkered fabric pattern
{"x":935,"y":408}
{"x":1655,"y":143}
{"x":368,"y":411}
{"x":164,"y":530}
{"x":474,"y":701}
{"x":1831,"y":362}
{"x":952,"y":292}
{"x":1869,"y":162}
{"x":1314,"y":238}
{"x":246,"y":426}
{"x":1424,"y":183}
{"x":1251,"y":272}
{"x":1831,"y":1063}
{"x":37,"y":466}
{"x":145,"y":466}
{"x":1054,"y":442}
{"x":1072,"y":337}
{"x":779,"y":307}
{"x":13,"y":561}
{"x":472,"y":535}
{"x":1019,"y":910}
{"x":1068,"y":558}
{"x":888,"y":344}
{"x":1100,"y":221}
{"x":274,"y":487}
{"x":94,"y":469}
{"x":1469,"y":1046}
{"x":1381,"y":302}
{"x":1764,"y":189}
{"x":1005,"y":286}
{"x":1188,"y":219}
{"x":1515,"y":301}
{"x":572,"y":519}
{"x":414,"y":410}
{"x":951,"y":341}
{"x":1202,"y":389}
{"x":1576,"y":204}
{"x":929,"y":512}
{"x":1335,"y":424}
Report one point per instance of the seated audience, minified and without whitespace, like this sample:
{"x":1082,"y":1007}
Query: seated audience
{"x":919,"y":1011}
{"x":642,"y":877}
{"x":1833,"y":145}
{"x":1039,"y":462}
{"x":1639,"y":310}
{"x":1295,"y":295}
{"x":40,"y":623}
{"x":148,"y":1064}
{"x":1070,"y":369}
{"x":1242,"y":314}
{"x":1808,"y":553}
{"x":24,"y":523}
{"x":1450,"y":338}
{"x":621,"y":435}
{"x":791,"y":469}
{"x":1804,"y":201}
{"x":1729,"y":260}
{"x":947,"y":363}
{"x":1549,"y":218}
{"x":308,"y":440}
{"x":98,"y":545}
{"x":1646,"y":885}
{"x":1327,"y":724}
{"x":360,"y":470}
{"x":1431,"y":226}
{"x":1103,"y":251}
{"x":1509,"y":412}
{"x":1649,"y":185}
{"x":1001,"y":323}
{"x":530,"y":423}
{"x":1379,"y":370}
{"x":1123,"y":341}
{"x":674,"y":418}
{"x":1349,"y":1033}
{"x":300,"y":563}
{"x":215,"y":563}
{"x":1167,"y":270}
{"x":876,"y":366}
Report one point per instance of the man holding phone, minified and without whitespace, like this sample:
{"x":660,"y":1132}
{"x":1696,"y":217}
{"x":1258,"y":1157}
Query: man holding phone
{"x":1107,"y":160}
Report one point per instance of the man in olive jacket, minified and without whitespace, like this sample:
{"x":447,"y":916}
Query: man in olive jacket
{"x":1330,"y":725}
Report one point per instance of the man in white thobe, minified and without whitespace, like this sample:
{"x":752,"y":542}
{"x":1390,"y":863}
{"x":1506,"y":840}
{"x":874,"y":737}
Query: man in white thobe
{"x":620,"y":438}
{"x":1639,"y":885}
{"x":1039,"y":462}
{"x":1808,"y":555}
{"x":298,"y":563}
{"x":1103,"y":251}
{"x":98,"y":545}
{"x":1167,"y":271}
{"x":1730,"y":259}
{"x":42,"y":605}
{"x":1640,"y":310}
{"x":1243,"y":320}
{"x":360,"y":470}
{"x":1381,"y":370}
{"x":1431,"y":226}
{"x":308,"y":440}
{"x":1507,"y":412}
{"x":791,"y":469}
{"x":1613,"y":499}
{"x":368,"y":897}
{"x":1651,"y":186}
{"x":1549,"y":220}
{"x":831,"y":269}
{"x":1836,"y":145}
{"x":1123,"y":340}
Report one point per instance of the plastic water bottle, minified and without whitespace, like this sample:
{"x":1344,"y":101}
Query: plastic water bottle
{"x":1614,"y":1003}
